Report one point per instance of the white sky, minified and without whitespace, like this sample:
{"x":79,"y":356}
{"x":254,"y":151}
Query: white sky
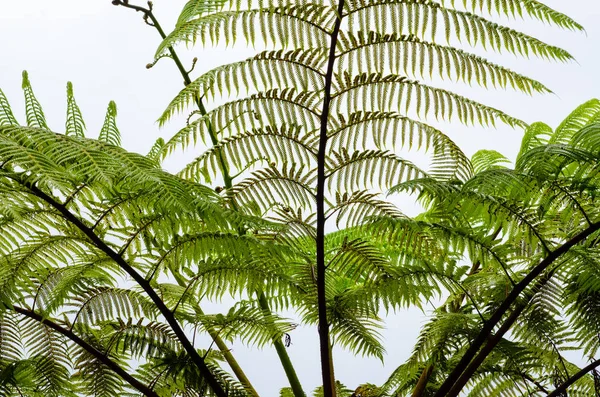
{"x":103,"y":50}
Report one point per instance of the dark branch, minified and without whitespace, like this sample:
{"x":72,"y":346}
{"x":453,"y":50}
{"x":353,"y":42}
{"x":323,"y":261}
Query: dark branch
{"x":103,"y":358}
{"x":483,"y":336}
{"x":324,"y":338}
{"x":562,"y":388}
{"x":142,"y":282}
{"x":125,"y":3}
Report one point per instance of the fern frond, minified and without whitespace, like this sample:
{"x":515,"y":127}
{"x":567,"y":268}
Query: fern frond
{"x":6,"y":115}
{"x":11,"y":341}
{"x":285,"y":105}
{"x":75,"y":125}
{"x":155,"y":150}
{"x":408,"y":55}
{"x":264,"y":71}
{"x":584,"y":114}
{"x":358,"y":206}
{"x":519,"y":8}
{"x":33,"y":109}
{"x":588,"y":137}
{"x":270,"y":144}
{"x":536,"y":134}
{"x":249,"y":324}
{"x":270,"y":186}
{"x":139,"y":338}
{"x":358,"y":259}
{"x":109,"y":132}
{"x":55,"y":287}
{"x":421,"y":18}
{"x":104,"y":304}
{"x":196,"y":8}
{"x":380,"y":91}
{"x":359,"y":169}
{"x":54,"y":362}
{"x":94,"y":377}
{"x":484,"y":160}
{"x":306,"y":20}
{"x":360,"y":335}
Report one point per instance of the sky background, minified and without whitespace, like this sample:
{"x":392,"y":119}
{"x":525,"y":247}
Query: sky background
{"x":103,"y":50}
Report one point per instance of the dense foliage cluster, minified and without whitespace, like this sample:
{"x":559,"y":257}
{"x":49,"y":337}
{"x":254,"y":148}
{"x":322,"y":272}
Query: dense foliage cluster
{"x":107,"y":259}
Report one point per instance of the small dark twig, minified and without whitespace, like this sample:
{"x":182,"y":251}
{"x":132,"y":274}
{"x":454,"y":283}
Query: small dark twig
{"x":148,"y":22}
{"x":194,"y":61}
{"x":125,"y":3}
{"x":151,"y":64}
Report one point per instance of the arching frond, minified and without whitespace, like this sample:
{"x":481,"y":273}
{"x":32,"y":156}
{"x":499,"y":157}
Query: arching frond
{"x":369,"y":91}
{"x":104,"y":304}
{"x":484,"y":160}
{"x":195,"y":8}
{"x":306,"y":20}
{"x":325,"y":108}
{"x":249,"y":324}
{"x":270,"y":185}
{"x":273,"y":145}
{"x":407,"y":54}
{"x":154,"y":153}
{"x":519,"y":8}
{"x":585,"y":114}
{"x":422,"y":18}
{"x":358,"y":206}
{"x":274,"y":106}
{"x":536,"y":134}
{"x":94,"y":377}
{"x":358,"y":169}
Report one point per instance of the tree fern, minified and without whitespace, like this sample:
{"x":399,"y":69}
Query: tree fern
{"x":336,"y":85}
{"x":537,"y":266}
{"x":314,"y":132}
{"x":91,"y":204}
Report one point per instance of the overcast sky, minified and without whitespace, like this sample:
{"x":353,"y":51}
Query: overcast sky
{"x":103,"y":50}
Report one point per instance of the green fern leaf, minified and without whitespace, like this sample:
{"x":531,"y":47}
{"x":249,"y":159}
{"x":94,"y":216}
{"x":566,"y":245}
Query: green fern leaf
{"x":75,"y":125}
{"x":33,"y":109}
{"x":109,"y":132}
{"x":6,"y":115}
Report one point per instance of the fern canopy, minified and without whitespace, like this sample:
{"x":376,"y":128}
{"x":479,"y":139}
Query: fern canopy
{"x":107,"y":259}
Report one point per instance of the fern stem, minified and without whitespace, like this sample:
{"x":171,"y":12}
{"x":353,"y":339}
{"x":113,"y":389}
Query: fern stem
{"x":563,"y":388}
{"x":324,"y":338}
{"x":217,"y":340}
{"x":455,"y":308}
{"x":286,"y":362}
{"x":227,"y":179}
{"x":284,"y":358}
{"x":228,"y":182}
{"x":423,"y":380}
{"x":226,"y":351}
{"x":141,"y":281}
{"x":148,"y":14}
{"x":463,"y":370}
{"x":494,"y":339}
{"x":103,"y":358}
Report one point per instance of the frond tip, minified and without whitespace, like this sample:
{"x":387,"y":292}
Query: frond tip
{"x":109,"y":132}
{"x":33,"y":109}
{"x":74,"y":125}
